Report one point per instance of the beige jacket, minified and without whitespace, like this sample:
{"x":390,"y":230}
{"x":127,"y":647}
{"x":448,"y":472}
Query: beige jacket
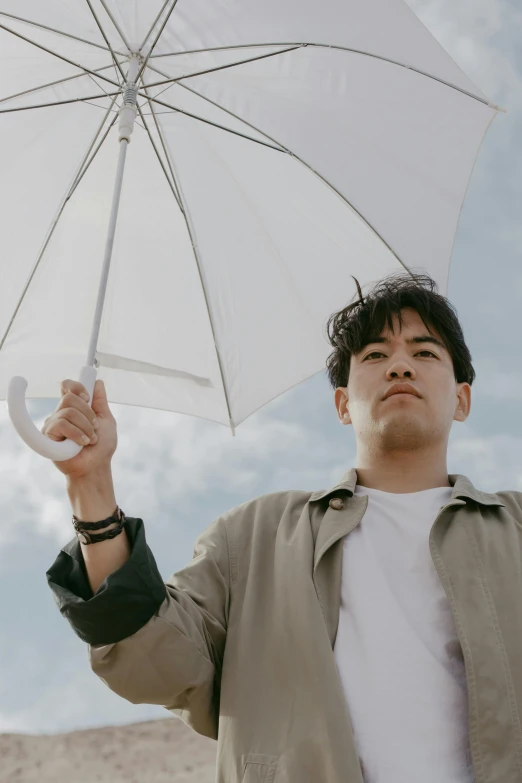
{"x":239,"y":643}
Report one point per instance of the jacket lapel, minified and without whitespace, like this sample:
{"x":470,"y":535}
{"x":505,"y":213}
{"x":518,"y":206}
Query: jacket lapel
{"x":336,"y":512}
{"x":333,"y":514}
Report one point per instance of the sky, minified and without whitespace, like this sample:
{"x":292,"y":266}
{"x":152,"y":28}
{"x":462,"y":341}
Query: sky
{"x":179,"y":473}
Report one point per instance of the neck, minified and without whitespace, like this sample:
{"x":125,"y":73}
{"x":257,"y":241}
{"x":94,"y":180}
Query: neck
{"x":402,"y":473}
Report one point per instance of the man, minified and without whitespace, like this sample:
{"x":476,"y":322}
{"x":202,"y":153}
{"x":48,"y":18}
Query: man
{"x":367,"y":632}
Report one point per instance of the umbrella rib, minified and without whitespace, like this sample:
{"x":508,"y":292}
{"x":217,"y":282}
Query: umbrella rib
{"x":140,"y":47}
{"x":191,"y":233}
{"x":201,"y":119}
{"x":82,"y":168}
{"x":304,"y":163}
{"x":102,"y":31}
{"x":146,"y":127}
{"x":222,"y":48}
{"x":54,"y":30}
{"x":222,"y":67}
{"x":343,"y":49}
{"x":164,"y":147}
{"x":81,"y":173}
{"x":60,"y":56}
{"x":51,"y":84}
{"x":91,"y":77}
{"x":97,"y":105}
{"x":167,"y":17}
{"x":116,"y":25}
{"x":214,"y":124}
{"x":61,"y":103}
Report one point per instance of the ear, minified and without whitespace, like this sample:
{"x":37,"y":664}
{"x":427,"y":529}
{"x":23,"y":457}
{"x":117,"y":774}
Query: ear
{"x":341,"y":404}
{"x":463,"y":407}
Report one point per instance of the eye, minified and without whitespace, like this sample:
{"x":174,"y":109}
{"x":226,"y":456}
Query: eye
{"x":373,"y":353}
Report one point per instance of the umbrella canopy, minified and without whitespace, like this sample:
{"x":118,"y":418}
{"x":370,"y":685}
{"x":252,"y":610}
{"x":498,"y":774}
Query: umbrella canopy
{"x":279,"y":148}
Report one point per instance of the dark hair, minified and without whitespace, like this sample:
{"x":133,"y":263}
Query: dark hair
{"x":350,"y":329}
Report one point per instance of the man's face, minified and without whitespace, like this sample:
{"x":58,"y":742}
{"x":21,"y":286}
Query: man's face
{"x":403,"y":420}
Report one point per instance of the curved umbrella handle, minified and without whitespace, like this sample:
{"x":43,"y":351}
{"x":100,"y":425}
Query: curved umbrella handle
{"x":23,"y":424}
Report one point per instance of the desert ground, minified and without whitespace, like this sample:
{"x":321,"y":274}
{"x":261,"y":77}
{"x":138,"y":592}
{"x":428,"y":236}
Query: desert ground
{"x":158,"y":751}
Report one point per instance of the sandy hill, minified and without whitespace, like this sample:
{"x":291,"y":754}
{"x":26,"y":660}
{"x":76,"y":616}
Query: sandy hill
{"x":158,"y":751}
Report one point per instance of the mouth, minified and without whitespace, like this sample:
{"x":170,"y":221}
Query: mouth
{"x":401,"y":390}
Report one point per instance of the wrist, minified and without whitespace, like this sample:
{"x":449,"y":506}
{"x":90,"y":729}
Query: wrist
{"x":92,"y":497}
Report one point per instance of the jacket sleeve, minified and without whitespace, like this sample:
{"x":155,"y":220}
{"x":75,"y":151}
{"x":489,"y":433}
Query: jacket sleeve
{"x":153,"y":642}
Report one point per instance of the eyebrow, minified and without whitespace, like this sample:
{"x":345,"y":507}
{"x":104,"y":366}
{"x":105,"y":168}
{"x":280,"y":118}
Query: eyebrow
{"x":423,"y":338}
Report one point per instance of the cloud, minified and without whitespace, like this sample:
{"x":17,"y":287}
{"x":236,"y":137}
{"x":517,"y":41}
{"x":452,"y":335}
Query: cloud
{"x":495,"y":383}
{"x":481,"y":36}
{"x":492,"y":463}
{"x":66,"y":706}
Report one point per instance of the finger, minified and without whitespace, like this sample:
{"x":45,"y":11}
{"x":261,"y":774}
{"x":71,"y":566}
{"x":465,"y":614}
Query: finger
{"x":64,"y":428}
{"x":71,"y":400}
{"x":75,"y":387}
{"x":99,"y":399}
{"x":77,"y":419}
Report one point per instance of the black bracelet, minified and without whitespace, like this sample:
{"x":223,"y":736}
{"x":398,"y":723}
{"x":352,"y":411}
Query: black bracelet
{"x":81,"y":526}
{"x":85,"y":537}
{"x":88,"y":538}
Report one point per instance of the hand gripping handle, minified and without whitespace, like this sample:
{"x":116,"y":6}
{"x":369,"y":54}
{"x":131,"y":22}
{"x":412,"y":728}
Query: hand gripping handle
{"x":57,"y":451}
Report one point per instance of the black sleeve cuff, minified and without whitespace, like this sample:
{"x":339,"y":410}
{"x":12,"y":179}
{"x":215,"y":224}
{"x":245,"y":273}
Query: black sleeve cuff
{"x":123,"y":603}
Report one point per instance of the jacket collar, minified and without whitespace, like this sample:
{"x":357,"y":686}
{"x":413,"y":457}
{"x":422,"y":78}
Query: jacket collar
{"x":462,"y":488}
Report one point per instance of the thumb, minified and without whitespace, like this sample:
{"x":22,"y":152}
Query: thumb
{"x":99,"y":399}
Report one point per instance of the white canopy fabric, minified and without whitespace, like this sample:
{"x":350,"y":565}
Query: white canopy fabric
{"x":321,"y":141}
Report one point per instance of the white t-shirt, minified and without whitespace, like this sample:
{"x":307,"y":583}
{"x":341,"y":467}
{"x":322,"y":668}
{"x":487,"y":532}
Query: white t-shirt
{"x":397,"y":649}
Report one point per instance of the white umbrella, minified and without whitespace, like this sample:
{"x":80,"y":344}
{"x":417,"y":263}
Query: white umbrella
{"x":279,"y":148}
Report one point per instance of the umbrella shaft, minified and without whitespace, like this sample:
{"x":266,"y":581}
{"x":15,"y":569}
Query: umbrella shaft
{"x":127,"y":116}
{"x":108,"y":253}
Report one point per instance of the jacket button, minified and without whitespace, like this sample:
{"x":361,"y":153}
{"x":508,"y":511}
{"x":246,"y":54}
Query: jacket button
{"x":336,"y":503}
